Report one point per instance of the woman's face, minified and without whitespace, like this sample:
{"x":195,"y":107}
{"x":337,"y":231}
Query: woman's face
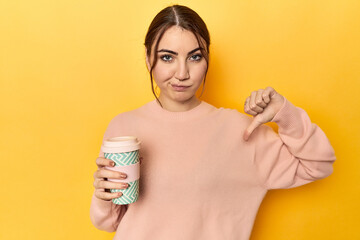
{"x":180,"y":63}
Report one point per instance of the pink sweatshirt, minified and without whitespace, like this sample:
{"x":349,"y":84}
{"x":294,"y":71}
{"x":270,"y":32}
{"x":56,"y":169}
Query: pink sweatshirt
{"x":200,"y":180}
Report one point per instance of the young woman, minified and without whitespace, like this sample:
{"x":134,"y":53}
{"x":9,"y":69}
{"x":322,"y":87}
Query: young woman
{"x":205,"y":170}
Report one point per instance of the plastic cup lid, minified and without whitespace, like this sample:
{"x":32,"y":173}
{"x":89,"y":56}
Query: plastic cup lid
{"x":120,"y":144}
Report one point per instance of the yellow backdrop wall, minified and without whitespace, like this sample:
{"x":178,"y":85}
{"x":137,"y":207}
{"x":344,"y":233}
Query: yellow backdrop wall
{"x":68,"y":67}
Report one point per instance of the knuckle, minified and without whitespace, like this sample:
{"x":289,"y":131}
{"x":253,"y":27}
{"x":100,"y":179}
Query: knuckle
{"x":99,"y":184}
{"x":98,"y":160}
{"x":102,"y":195}
{"x":101,"y":173}
{"x":96,"y":184}
{"x":98,"y":194}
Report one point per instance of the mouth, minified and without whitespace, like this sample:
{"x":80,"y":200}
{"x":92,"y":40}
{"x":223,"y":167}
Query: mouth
{"x":174,"y":85}
{"x":179,"y":87}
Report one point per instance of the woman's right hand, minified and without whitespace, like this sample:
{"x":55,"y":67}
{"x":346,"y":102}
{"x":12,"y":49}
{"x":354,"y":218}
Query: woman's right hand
{"x":102,"y":185}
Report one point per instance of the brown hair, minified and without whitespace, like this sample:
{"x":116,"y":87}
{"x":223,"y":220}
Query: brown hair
{"x":184,"y":17}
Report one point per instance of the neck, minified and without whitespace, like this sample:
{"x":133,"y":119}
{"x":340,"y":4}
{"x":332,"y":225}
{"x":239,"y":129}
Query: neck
{"x":177,"y":106}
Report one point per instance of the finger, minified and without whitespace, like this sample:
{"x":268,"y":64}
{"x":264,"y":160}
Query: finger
{"x":247,"y":107}
{"x":253,"y":106}
{"x":101,"y":184}
{"x":141,"y":158}
{"x":266,"y":95}
{"x":253,"y":125}
{"x":270,"y":92}
{"x":107,"y":195}
{"x":102,"y":162}
{"x":259,"y":99}
{"x":106,"y":173}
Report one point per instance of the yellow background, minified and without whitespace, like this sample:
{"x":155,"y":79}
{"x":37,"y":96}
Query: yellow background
{"x":68,"y":67}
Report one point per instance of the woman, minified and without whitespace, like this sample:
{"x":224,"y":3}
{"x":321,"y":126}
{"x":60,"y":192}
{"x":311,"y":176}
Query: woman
{"x":205,"y":170}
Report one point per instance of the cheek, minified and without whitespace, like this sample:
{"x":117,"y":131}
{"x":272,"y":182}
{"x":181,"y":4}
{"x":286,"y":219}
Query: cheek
{"x":162,"y":72}
{"x":198,"y":71}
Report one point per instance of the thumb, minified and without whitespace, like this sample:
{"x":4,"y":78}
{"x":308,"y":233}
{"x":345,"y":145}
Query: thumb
{"x":253,"y":125}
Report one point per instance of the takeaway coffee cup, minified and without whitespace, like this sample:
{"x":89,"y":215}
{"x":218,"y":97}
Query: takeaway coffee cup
{"x":124,"y":151}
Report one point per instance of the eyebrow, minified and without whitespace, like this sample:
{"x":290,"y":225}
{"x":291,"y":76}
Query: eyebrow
{"x":175,"y":53}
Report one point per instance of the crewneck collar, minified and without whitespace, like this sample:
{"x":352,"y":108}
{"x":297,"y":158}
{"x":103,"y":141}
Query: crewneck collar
{"x":200,"y":110}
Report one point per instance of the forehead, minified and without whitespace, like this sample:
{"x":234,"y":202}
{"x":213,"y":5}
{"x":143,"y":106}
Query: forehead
{"x":177,"y":38}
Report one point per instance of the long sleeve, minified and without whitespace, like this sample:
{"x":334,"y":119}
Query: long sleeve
{"x":190,"y":155}
{"x":105,"y":215}
{"x":299,"y":154}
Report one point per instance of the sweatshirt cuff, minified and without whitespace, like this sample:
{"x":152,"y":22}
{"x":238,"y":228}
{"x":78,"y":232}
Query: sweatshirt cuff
{"x":291,"y":119}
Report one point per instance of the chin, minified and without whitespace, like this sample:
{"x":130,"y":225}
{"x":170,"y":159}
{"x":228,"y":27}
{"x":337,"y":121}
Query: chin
{"x":186,"y":99}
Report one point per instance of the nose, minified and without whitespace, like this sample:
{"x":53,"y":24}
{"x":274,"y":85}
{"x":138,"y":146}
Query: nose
{"x":182,"y":71}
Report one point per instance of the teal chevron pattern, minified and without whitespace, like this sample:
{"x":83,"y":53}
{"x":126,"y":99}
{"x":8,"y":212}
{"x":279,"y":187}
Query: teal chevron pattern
{"x":130,"y":195}
{"x":123,"y":159}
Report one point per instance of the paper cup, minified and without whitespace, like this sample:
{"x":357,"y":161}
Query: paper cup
{"x":124,"y":151}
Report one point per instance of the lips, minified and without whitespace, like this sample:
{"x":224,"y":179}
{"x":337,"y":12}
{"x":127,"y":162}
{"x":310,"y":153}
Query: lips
{"x":174,"y":85}
{"x":179,"y":87}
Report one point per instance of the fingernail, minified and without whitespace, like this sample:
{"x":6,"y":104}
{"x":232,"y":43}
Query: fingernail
{"x":112,"y":164}
{"x":123,"y":175}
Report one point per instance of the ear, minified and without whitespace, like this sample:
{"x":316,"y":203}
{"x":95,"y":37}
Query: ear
{"x":147,"y":61}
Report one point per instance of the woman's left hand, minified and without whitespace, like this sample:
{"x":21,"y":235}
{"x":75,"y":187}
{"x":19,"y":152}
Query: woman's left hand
{"x":263,"y":105}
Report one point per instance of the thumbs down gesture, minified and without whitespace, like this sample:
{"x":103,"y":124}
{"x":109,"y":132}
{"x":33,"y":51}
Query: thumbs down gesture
{"x":263,"y":105}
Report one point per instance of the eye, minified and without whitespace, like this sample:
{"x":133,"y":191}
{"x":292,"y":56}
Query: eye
{"x":166,"y":58}
{"x":196,"y":57}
